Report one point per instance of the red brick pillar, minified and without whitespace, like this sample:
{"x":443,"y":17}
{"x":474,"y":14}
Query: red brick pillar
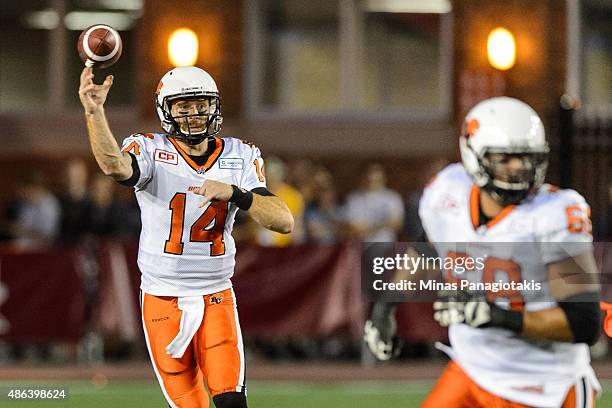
{"x":538,"y":76}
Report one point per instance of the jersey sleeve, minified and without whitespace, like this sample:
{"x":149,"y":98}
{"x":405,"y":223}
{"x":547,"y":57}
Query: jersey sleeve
{"x":254,"y":174}
{"x":137,"y":145}
{"x":563,"y":228}
{"x":426,"y":211}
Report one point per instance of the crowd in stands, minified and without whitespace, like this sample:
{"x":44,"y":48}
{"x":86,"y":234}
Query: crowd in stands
{"x":371,"y":213}
{"x":86,"y":206}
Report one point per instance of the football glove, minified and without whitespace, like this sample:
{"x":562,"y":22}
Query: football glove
{"x":379,"y":332}
{"x":475,"y":313}
{"x":474,"y":310}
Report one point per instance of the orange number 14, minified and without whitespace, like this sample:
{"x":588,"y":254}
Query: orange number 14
{"x":215,"y":213}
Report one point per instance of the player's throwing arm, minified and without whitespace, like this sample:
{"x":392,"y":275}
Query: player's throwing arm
{"x":111,"y":160}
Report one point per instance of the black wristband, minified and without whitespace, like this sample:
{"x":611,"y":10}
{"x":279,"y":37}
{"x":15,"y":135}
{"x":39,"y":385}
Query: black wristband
{"x":507,"y":319}
{"x":242,"y":198}
{"x":583,"y":315}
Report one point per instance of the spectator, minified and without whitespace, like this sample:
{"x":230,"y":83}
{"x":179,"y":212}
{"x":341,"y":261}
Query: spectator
{"x":75,"y":203}
{"x":277,"y":184}
{"x":302,"y":174}
{"x":375,"y":213}
{"x":36,"y":213}
{"x":322,"y":217}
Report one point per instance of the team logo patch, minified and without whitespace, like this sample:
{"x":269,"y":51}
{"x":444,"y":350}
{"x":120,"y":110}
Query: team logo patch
{"x":447,"y":203}
{"x":216,"y":299}
{"x":472,"y":126}
{"x":166,"y":157}
{"x":231,"y":164}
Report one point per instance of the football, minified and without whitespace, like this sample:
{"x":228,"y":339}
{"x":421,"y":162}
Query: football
{"x":99,"y":46}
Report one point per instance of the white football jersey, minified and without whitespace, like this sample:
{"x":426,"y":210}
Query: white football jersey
{"x":186,"y":250}
{"x":550,"y":226}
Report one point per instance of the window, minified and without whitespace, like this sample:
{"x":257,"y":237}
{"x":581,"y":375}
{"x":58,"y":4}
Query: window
{"x":402,"y":61}
{"x":39,"y":64}
{"x":23,"y":56}
{"x":349,"y":57}
{"x":301,"y":59}
{"x":596,"y":47}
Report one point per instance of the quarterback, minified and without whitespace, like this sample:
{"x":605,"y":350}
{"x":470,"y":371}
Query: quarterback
{"x":511,"y":348}
{"x":189,"y":184}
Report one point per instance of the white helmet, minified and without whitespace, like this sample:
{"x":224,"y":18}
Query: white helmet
{"x":182,"y":83}
{"x":511,"y":127}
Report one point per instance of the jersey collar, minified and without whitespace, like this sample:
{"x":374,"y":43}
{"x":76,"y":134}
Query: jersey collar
{"x":475,"y":210}
{"x":218,"y":148}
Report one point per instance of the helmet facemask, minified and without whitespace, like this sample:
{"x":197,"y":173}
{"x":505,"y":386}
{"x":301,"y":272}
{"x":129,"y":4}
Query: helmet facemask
{"x":192,"y":125}
{"x":512,"y":176}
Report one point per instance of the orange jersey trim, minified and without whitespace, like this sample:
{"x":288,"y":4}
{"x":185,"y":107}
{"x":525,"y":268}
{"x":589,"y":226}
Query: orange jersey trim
{"x":211,"y":160}
{"x":475,"y":209}
{"x":132,"y":147}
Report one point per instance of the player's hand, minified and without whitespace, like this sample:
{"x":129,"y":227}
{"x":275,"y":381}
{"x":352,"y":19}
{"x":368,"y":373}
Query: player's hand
{"x":379,"y":333}
{"x":214,"y":190}
{"x":93,"y":96}
{"x":464,"y":307}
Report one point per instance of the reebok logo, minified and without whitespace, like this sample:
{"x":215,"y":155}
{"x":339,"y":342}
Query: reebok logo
{"x":160,"y":319}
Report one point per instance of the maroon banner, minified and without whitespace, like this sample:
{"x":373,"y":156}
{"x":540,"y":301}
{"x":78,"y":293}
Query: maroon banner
{"x":42,"y":297}
{"x":304,"y":290}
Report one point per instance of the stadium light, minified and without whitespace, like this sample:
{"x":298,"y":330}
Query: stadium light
{"x":183,"y":47}
{"x":501,"y":49}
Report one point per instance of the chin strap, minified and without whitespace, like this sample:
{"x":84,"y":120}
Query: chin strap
{"x":194,"y":142}
{"x":190,"y":140}
{"x":506,"y":197}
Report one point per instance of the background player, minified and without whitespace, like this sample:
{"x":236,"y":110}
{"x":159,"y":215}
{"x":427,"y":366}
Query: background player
{"x":511,"y":348}
{"x":189,"y":185}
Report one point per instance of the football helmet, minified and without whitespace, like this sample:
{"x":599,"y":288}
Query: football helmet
{"x":495,"y":131}
{"x":183,"y":83}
